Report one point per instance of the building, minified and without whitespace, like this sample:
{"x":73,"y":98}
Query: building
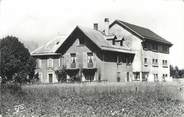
{"x":123,"y":52}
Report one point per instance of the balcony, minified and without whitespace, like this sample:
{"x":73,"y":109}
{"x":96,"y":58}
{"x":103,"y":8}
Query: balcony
{"x":73,"y":65}
{"x":90,"y":65}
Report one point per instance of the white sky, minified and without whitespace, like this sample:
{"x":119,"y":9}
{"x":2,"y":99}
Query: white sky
{"x":42,"y":20}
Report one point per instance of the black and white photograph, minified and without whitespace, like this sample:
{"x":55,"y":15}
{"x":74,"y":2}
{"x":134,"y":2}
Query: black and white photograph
{"x":91,"y":58}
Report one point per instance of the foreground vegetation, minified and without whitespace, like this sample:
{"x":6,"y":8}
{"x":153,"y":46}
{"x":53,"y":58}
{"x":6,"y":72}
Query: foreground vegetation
{"x":95,"y":100}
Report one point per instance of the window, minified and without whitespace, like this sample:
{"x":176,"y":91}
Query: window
{"x":50,"y":62}
{"x":118,"y":77}
{"x":145,"y":76}
{"x":136,"y":76}
{"x":165,"y":49}
{"x":128,"y":60}
{"x":73,"y":60}
{"x":90,"y":59}
{"x":155,"y":47}
{"x":164,"y":76}
{"x":155,"y":77}
{"x":146,"y":46}
{"x":164,"y":63}
{"x":145,"y":61}
{"x":121,"y":43}
{"x":155,"y":62}
{"x":120,"y":59}
{"x":39,"y":63}
{"x":73,"y":57}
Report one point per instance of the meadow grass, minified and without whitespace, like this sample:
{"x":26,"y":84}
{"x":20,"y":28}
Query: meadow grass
{"x":96,"y":100}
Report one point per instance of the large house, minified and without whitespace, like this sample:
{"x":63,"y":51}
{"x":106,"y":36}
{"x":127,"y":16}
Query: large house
{"x":122,"y":52}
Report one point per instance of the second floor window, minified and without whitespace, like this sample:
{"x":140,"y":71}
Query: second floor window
{"x":155,"y":61}
{"x":164,"y":62}
{"x":73,"y":57}
{"x":155,"y":47}
{"x":50,"y":62}
{"x":90,"y":57}
{"x":165,"y":49}
{"x":145,"y":61}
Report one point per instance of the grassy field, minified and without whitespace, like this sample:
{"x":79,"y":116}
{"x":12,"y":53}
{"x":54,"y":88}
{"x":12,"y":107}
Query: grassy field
{"x":94,"y":100}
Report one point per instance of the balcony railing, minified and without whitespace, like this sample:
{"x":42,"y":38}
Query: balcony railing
{"x":73,"y":65}
{"x":90,"y":65}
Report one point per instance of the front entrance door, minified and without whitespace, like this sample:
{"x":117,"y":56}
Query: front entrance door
{"x":50,"y":78}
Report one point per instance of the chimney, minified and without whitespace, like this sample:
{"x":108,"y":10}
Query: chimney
{"x":95,"y":26}
{"x":106,"y":20}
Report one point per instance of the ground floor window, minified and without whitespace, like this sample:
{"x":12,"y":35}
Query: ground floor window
{"x":145,"y":76}
{"x":128,"y":78}
{"x":164,"y":76}
{"x":136,"y":76}
{"x":155,"y":77}
{"x":118,"y":76}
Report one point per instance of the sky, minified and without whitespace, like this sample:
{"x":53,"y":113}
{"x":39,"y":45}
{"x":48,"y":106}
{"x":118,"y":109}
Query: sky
{"x":43,"y":20}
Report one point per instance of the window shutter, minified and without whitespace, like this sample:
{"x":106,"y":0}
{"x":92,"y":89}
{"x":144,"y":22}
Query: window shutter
{"x":84,"y":60}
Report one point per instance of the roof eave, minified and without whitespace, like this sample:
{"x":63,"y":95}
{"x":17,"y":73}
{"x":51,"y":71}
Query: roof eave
{"x":45,"y":54}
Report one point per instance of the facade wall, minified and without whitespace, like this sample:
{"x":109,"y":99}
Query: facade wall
{"x":135,"y":44}
{"x":105,"y":64}
{"x":160,"y":69}
{"x":81,"y":58}
{"x":44,"y":70}
{"x":112,"y":71}
{"x":130,"y":41}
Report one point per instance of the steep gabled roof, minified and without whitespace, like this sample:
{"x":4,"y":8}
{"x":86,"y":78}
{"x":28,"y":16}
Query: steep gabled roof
{"x":141,"y":32}
{"x":96,"y":37}
{"x":49,"y":48}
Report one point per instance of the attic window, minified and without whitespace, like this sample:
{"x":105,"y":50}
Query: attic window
{"x":81,"y":41}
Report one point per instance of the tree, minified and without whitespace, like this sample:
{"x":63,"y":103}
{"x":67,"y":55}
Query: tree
{"x":172,"y":72}
{"x":175,"y":72}
{"x":17,"y":65}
